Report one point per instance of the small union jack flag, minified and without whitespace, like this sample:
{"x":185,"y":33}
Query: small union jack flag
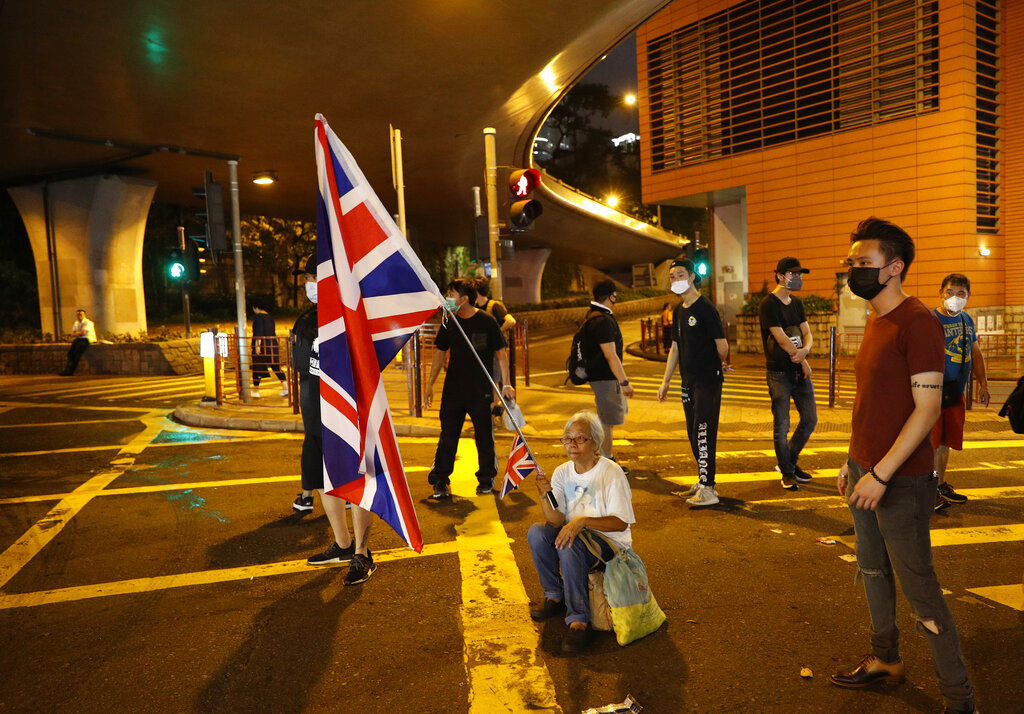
{"x":373,"y":293}
{"x":520,"y":465}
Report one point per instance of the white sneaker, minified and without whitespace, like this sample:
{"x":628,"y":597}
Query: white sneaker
{"x":254,"y":393}
{"x":284,"y":390}
{"x":692,"y":491}
{"x":706,"y":496}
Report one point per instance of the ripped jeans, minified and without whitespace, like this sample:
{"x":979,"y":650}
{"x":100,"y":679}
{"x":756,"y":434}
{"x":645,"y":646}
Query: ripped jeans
{"x":895,"y":538}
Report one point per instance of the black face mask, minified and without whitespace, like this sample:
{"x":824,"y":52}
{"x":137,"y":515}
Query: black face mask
{"x":864,"y":283}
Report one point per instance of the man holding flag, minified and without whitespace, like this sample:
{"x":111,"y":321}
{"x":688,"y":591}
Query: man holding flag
{"x":469,"y":345}
{"x":372,"y":295}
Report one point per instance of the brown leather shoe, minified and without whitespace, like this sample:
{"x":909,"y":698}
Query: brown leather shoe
{"x":870,"y":670}
{"x":577,"y":640}
{"x":551,"y":608}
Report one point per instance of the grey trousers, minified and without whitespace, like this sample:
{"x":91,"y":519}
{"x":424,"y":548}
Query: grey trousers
{"x":894,"y":539}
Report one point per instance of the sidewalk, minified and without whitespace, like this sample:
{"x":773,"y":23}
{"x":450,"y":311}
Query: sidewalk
{"x":547,"y":409}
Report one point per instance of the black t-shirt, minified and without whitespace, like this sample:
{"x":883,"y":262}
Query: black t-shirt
{"x":305,"y":354}
{"x":601,"y":328}
{"x":495,"y":309}
{"x":789,"y":317}
{"x":465,"y":378}
{"x":694,"y":330}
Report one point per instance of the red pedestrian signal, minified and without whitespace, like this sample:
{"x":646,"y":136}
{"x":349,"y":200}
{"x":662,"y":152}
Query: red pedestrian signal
{"x":523,"y":210}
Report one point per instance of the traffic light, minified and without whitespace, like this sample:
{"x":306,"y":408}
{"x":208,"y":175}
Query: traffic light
{"x":191,"y":260}
{"x":702,"y":262}
{"x":523,"y":210}
{"x":216,"y":236}
{"x":176,"y":264}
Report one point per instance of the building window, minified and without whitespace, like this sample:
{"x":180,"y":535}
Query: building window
{"x":987,"y":116}
{"x":768,"y":72}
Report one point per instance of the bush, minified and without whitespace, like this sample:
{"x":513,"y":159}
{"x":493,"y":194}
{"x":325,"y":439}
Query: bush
{"x":813,"y":304}
{"x":583,"y":299}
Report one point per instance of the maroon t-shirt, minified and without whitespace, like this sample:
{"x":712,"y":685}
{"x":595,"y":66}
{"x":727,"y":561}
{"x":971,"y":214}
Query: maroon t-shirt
{"x":905,"y":341}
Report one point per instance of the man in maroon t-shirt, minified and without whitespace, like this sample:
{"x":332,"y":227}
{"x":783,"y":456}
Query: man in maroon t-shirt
{"x":888,"y":480}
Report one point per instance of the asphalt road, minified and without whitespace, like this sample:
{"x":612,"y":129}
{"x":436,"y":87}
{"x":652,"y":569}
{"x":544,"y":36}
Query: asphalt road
{"x":152,"y":567}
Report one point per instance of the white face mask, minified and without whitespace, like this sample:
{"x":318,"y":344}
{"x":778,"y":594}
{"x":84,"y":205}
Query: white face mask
{"x":954,"y":304}
{"x":311,"y":292}
{"x":680,"y":286}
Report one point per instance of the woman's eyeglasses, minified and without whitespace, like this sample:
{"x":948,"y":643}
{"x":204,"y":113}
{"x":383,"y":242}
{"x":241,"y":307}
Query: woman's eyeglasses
{"x":578,"y":440}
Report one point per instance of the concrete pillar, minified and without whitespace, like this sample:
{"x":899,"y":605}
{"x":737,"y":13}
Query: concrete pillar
{"x":729,"y":253}
{"x":522,"y":275}
{"x":98,"y":224}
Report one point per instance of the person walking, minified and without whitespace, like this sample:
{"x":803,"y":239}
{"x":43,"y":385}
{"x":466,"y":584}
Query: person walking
{"x":963,"y":357}
{"x":83,"y":334}
{"x":786,"y":338}
{"x":700,"y":350}
{"x":266,"y":350}
{"x":888,"y":480}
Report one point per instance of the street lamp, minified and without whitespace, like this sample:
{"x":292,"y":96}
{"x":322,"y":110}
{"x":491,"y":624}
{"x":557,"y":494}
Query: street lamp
{"x":629,"y":99}
{"x":612,"y":201}
{"x":264,"y":178}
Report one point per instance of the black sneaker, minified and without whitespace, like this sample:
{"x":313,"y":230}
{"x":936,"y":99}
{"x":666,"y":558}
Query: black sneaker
{"x":334,"y":554}
{"x":360,"y":569}
{"x":303,"y":504}
{"x":485,"y":487}
{"x":950,"y":495}
{"x":941,"y":504}
{"x":789,"y":482}
{"x":441,"y":491}
{"x":801,"y":475}
{"x":550,"y":608}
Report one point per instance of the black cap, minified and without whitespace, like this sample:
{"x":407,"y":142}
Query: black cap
{"x":309,"y":266}
{"x":790,"y":265}
{"x":603,"y":289}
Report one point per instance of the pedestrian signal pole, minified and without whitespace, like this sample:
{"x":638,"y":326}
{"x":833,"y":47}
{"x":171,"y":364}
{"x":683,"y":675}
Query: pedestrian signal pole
{"x":491,"y":184}
{"x":186,"y":305}
{"x":236,"y":230}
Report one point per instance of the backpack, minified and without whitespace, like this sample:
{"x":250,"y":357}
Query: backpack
{"x":576,"y":364}
{"x":1013,"y":408}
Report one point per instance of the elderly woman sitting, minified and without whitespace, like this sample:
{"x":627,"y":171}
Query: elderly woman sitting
{"x":592,"y":492}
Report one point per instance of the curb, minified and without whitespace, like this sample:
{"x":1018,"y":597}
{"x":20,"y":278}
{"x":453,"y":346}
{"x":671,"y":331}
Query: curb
{"x":259,"y":420}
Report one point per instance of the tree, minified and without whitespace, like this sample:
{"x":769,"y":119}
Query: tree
{"x":272,"y":248}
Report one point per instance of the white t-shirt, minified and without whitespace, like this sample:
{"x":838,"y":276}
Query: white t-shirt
{"x":602,"y":491}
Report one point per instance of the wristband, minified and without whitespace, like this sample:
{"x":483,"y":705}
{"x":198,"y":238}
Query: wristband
{"x":624,"y":384}
{"x":875,"y":477}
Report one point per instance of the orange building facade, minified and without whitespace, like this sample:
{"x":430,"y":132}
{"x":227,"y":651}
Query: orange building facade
{"x":792,"y":120}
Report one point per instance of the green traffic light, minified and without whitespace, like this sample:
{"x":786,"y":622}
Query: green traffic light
{"x":177,"y":270}
{"x":702,"y":269}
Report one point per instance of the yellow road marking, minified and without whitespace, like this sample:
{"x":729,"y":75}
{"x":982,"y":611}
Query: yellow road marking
{"x":159,"y":488}
{"x":807,"y":503}
{"x":68,"y":423}
{"x":262,"y":436}
{"x":505,"y":674}
{"x":46,"y":529}
{"x":941,"y":537}
{"x":1009,"y":595}
{"x":203,"y":577}
{"x":79,"y":407}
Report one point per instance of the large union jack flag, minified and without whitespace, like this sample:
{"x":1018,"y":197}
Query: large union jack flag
{"x":520,"y":465}
{"x":372,"y":294}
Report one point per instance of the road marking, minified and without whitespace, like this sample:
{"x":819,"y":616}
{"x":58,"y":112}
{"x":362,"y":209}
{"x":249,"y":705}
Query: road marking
{"x":68,"y":423}
{"x":263,"y":436}
{"x":808,"y":503}
{"x":46,"y":528}
{"x":941,"y":537}
{"x":163,"y":487}
{"x":500,"y":641}
{"x":203,"y":577}
{"x":80,"y":407}
{"x":1009,"y":595}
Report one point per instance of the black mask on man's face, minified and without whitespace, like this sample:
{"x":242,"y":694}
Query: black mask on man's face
{"x":863,"y":281}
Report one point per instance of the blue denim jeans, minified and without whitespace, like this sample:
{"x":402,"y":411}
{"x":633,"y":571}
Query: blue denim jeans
{"x":894,"y":540}
{"x":563,"y":571}
{"x":783,"y":386}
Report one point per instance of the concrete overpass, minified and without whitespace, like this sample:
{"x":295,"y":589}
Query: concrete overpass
{"x":132,"y":100}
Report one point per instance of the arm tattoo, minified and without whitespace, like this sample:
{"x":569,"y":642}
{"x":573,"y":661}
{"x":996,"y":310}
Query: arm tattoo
{"x":917,"y":385}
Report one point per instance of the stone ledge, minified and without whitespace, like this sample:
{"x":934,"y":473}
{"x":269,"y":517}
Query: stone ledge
{"x":175,"y":357}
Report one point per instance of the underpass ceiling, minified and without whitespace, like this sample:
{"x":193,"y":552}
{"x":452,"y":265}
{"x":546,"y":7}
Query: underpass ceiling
{"x":247,"y":79}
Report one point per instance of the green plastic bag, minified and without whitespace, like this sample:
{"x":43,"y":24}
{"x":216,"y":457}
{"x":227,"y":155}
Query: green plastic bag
{"x":635,"y":611}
